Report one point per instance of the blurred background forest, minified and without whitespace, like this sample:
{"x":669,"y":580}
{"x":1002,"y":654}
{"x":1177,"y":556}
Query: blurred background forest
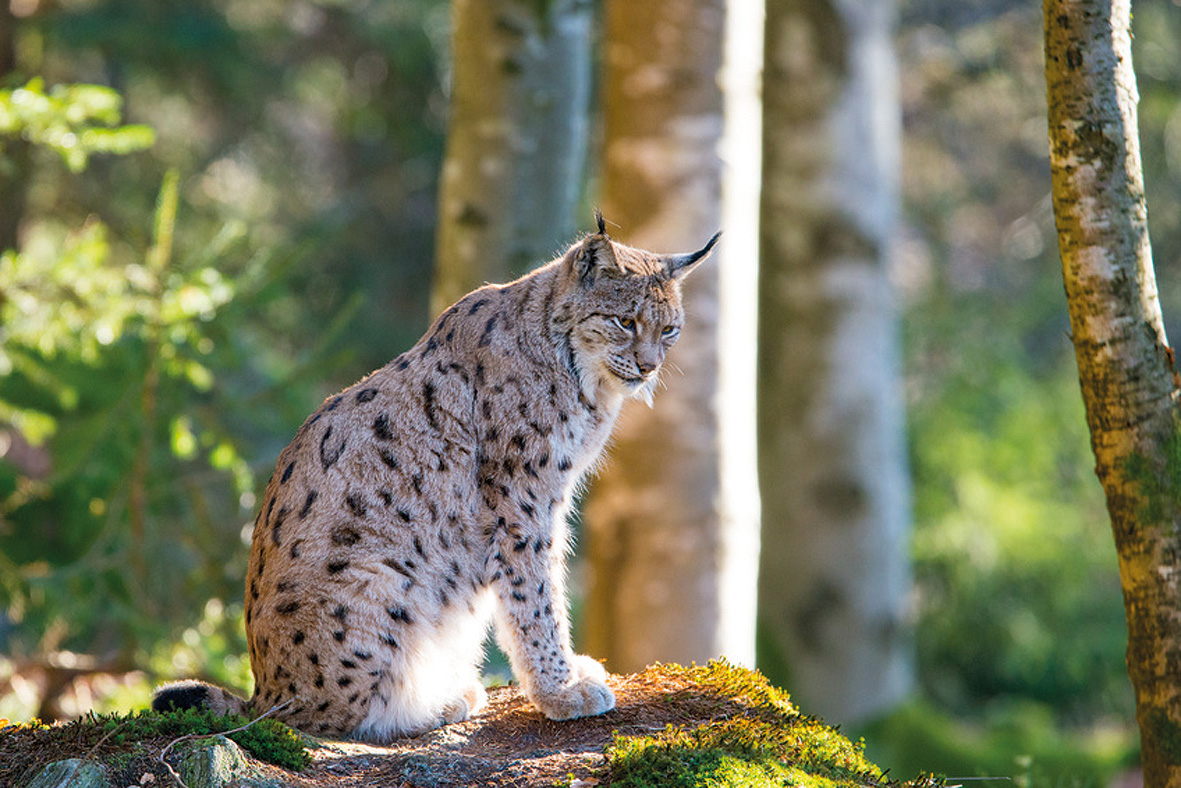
{"x":243,"y":221}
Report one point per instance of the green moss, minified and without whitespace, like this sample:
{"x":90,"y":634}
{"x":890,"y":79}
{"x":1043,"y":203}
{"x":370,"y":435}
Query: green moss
{"x":756,"y":737}
{"x":1160,"y":487}
{"x":115,"y":737}
{"x":686,"y":767}
{"x":1166,"y":735}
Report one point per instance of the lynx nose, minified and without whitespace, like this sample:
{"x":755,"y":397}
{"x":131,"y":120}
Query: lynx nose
{"x":647,"y":358}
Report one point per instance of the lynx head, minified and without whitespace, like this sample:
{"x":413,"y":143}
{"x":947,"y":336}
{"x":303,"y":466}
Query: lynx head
{"x":624,"y":311}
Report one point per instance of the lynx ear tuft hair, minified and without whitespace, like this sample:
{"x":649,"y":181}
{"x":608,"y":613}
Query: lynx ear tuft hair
{"x":601,"y":222}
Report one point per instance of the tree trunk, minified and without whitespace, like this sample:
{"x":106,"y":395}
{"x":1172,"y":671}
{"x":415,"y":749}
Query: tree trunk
{"x":516,"y":140}
{"x":834,"y":577}
{"x":1125,"y":364}
{"x":672,"y":544}
{"x":14,"y":160}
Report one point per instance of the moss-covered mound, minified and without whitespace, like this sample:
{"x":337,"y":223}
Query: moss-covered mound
{"x":742,"y":732}
{"x":130,"y":743}
{"x":672,"y":727}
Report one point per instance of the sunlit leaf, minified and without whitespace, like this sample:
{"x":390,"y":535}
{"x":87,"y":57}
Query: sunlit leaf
{"x":77,"y":121}
{"x":184,"y":443}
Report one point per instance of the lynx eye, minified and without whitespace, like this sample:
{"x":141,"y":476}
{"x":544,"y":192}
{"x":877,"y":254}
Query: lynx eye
{"x":669,"y":331}
{"x":626,"y":323}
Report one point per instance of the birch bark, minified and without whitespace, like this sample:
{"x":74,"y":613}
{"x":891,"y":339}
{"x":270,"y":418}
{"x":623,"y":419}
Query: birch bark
{"x":1125,"y":364}
{"x":516,"y":140}
{"x":834,"y":578}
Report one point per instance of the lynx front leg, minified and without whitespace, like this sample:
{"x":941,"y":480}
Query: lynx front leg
{"x":532,"y":627}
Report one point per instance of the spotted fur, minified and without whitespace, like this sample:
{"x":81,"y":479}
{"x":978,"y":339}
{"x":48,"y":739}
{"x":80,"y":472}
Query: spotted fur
{"x":431,"y":497}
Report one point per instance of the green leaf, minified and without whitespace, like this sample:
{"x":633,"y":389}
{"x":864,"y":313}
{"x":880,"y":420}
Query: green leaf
{"x":76,"y":121}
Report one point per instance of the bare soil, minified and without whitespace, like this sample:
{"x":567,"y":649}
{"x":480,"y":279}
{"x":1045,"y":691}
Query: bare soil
{"x":510,"y":743}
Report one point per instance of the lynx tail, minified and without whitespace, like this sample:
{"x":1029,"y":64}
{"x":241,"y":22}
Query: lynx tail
{"x":198,"y":695}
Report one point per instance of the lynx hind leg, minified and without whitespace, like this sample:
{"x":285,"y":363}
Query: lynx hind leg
{"x":418,"y":708}
{"x":466,"y":705}
{"x":436,"y":680}
{"x":191,"y":694}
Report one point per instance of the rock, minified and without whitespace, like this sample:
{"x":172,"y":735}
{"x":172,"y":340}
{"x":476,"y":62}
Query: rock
{"x":216,"y":762}
{"x":72,"y":773}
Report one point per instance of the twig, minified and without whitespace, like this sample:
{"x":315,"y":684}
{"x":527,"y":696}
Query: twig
{"x":106,"y":736}
{"x":171,"y":744}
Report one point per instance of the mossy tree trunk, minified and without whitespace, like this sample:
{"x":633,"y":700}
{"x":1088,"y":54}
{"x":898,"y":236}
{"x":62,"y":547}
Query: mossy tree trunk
{"x":1125,"y":365}
{"x":672,"y":551}
{"x":516,"y":140}
{"x":834,"y":577}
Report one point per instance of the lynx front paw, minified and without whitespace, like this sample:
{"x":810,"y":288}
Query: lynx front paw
{"x":587,"y":667}
{"x":585,"y":695}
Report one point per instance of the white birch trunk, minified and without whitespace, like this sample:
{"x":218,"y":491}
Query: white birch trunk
{"x":1126,"y":367}
{"x":516,"y":140}
{"x":834,"y":580}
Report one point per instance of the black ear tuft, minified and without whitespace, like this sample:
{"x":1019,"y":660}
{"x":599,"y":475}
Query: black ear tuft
{"x":600,"y":221}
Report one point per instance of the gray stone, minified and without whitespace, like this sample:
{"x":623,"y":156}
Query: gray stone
{"x":211,"y":762}
{"x":216,"y":762}
{"x":72,"y":773}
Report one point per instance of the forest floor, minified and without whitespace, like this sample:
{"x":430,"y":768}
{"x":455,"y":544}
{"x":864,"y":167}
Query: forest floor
{"x":509,"y":743}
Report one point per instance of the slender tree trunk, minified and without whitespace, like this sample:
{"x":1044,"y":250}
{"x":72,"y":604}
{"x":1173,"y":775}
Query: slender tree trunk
{"x":7,"y":42}
{"x":15,"y":170}
{"x":834,"y":578}
{"x":516,"y":139}
{"x":672,"y":547}
{"x":1125,"y":364}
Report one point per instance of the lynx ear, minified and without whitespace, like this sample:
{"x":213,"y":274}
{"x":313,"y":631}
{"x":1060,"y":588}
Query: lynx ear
{"x":678,"y":265}
{"x":594,"y":255}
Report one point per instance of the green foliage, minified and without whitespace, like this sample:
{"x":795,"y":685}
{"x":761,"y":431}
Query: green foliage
{"x":69,"y":303}
{"x":76,"y":121}
{"x":1004,"y":495}
{"x":156,"y":358}
{"x":114,"y":737}
{"x":758,"y":739}
{"x":1020,"y":634}
{"x":320,"y":133}
{"x":1023,"y":743}
{"x":128,"y":379}
{"x":1018,"y":589}
{"x":102,"y":359}
{"x":648,"y":765}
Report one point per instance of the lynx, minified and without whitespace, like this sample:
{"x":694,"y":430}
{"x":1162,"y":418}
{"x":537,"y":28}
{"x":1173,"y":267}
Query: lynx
{"x":431,"y":497}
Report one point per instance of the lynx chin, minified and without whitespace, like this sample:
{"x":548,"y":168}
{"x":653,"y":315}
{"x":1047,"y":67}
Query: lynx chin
{"x":431,"y":497}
